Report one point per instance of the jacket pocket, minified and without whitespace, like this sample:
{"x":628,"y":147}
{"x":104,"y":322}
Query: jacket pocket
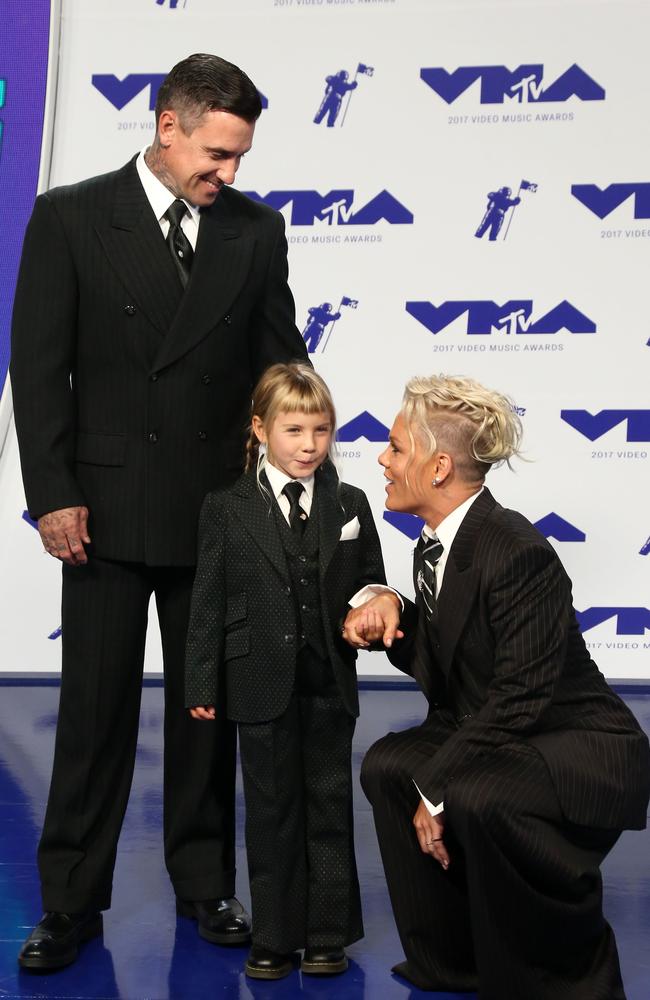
{"x":100,"y":449}
{"x":237,"y":643}
{"x":235,"y":609}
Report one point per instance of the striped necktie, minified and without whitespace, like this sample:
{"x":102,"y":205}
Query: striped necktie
{"x":178,"y":243}
{"x":429,"y":550}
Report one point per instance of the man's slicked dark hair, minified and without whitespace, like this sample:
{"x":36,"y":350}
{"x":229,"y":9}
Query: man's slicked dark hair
{"x":204,"y":82}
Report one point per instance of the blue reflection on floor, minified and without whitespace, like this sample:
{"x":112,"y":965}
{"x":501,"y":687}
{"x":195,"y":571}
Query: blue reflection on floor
{"x":147,"y":952}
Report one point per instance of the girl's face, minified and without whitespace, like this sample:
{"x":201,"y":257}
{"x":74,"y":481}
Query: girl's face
{"x":296,"y":443}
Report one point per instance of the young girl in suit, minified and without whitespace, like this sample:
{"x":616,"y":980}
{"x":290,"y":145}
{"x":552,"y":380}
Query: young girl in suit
{"x":280,"y":554}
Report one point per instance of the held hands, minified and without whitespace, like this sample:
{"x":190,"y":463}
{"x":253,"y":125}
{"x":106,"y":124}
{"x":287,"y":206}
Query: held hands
{"x":205,"y":712}
{"x":64,"y":533}
{"x":430,"y":832}
{"x":377,"y":619}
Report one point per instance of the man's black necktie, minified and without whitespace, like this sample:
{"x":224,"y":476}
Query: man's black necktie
{"x":297,"y":517}
{"x":178,"y":243}
{"x":429,"y":549}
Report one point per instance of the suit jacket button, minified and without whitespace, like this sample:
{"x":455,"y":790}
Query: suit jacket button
{"x":154,"y":377}
{"x":203,"y":436}
{"x":153,"y":437}
{"x":288,"y":638}
{"x":129,"y":310}
{"x":287,"y":590}
{"x":304,"y":581}
{"x":206,"y":380}
{"x":227,"y":319}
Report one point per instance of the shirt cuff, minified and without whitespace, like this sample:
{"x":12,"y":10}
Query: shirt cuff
{"x":434,"y":810}
{"x":372,"y":590}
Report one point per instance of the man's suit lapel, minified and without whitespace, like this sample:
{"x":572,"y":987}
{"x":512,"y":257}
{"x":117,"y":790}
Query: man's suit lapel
{"x":220,"y":268}
{"x":461,"y":579}
{"x":255,"y":512}
{"x":134,"y":244}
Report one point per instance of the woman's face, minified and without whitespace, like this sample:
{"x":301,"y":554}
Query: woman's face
{"x":416,"y":495}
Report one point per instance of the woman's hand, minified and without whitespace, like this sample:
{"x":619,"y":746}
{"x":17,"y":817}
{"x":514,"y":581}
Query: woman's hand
{"x":377,"y":619}
{"x":205,"y":712}
{"x":430,"y":831}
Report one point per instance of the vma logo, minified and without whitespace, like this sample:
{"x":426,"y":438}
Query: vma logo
{"x":525,"y":85}
{"x":603,"y":201}
{"x":337,"y":208}
{"x":363,"y":426}
{"x":121,"y":92}
{"x":319,"y":318}
{"x":629,"y":621}
{"x":513,"y":317}
{"x":594,"y":425}
{"x":554,"y":526}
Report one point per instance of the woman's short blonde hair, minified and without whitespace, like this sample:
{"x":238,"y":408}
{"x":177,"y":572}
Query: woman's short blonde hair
{"x":477,"y":426}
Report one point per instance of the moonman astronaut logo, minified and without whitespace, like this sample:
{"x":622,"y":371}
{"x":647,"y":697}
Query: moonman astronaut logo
{"x":321,"y":317}
{"x":338,"y":90}
{"x":499,"y":204}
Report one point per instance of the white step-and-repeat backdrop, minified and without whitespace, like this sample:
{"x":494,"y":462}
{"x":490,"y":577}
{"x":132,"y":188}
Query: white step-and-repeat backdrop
{"x":466,"y":187}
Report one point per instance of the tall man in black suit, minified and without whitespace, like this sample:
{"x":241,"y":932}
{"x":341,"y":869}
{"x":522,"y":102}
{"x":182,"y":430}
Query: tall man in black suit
{"x":148,"y":303}
{"x":494,"y":814}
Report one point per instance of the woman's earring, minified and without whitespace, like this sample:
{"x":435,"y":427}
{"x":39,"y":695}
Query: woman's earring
{"x":435,"y":481}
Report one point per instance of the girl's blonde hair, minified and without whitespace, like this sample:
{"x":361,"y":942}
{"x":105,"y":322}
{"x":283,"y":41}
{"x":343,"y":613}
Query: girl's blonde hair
{"x":477,"y":426}
{"x":287,"y":388}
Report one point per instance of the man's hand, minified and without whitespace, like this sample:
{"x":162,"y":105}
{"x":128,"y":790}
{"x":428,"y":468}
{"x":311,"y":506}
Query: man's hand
{"x":377,"y":619}
{"x":64,"y":533}
{"x":206,"y":712}
{"x":430,"y":831}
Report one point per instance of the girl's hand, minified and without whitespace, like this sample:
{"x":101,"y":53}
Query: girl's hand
{"x":204,"y":712}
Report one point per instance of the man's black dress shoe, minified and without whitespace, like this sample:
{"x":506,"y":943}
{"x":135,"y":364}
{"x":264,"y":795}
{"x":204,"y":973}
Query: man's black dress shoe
{"x":55,"y":940}
{"x":265,"y":964}
{"x":221,"y":921}
{"x":324,"y":961}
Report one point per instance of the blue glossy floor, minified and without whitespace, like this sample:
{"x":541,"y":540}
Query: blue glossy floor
{"x":147,"y":952}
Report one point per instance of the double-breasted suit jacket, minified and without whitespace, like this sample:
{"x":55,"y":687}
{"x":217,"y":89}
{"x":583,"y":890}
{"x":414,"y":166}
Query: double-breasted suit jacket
{"x":508,"y":663}
{"x":243,"y":625}
{"x":132,"y":396}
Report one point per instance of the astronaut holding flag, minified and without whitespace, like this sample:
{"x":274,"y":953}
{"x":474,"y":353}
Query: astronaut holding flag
{"x":499,"y":202}
{"x":338,"y":86}
{"x":319,"y":318}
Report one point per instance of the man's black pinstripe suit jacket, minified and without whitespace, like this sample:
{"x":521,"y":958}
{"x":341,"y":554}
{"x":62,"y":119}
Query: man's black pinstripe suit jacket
{"x":509,"y":663}
{"x":130,"y":396}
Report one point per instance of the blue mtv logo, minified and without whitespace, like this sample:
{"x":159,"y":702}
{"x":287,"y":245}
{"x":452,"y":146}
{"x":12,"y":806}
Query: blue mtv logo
{"x":121,"y":92}
{"x":603,"y":201}
{"x":336,"y":208}
{"x":321,"y":318}
{"x":338,"y":91}
{"x":363,"y":426}
{"x":629,"y":621}
{"x":594,"y":425}
{"x":513,"y":317}
{"x":526,"y":84}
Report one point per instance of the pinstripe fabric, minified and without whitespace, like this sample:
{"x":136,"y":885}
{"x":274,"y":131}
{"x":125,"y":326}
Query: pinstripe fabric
{"x":161,"y":380}
{"x":539,"y":764}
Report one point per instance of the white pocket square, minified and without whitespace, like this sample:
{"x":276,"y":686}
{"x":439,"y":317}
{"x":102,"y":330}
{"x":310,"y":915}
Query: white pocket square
{"x":350,"y":530}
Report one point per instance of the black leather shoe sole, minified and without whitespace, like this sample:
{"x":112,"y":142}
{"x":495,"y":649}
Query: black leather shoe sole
{"x":324,"y":968}
{"x":184,"y":909}
{"x":279,"y":971}
{"x":47,"y":963}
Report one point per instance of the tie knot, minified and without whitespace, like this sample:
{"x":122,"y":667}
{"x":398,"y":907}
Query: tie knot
{"x":175,"y":212}
{"x":430,"y":547}
{"x":293,"y":491}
